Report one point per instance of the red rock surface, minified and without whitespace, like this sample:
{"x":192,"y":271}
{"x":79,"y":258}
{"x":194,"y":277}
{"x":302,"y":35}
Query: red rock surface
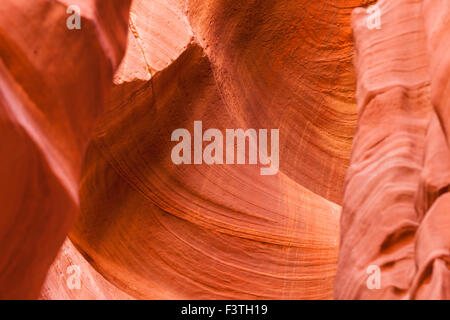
{"x":53,"y":84}
{"x":69,"y":267}
{"x":395,"y":200}
{"x":163,"y":231}
{"x":87,"y":115}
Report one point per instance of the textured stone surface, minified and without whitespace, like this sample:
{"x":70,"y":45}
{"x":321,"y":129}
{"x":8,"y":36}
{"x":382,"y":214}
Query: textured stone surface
{"x":86,"y":136}
{"x":396,"y":198}
{"x":287,"y":64}
{"x":156,"y":230}
{"x":203,"y":231}
{"x":72,"y":277}
{"x":53,"y":84}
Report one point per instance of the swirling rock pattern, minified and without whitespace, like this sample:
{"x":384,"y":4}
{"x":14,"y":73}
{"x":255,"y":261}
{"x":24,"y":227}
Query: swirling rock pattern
{"x":163,"y":231}
{"x":86,"y":135}
{"x":396,"y":198}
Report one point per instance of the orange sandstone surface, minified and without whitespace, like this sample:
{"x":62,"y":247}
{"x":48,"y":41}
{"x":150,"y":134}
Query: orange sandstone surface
{"x":53,"y":87}
{"x":165,"y":231}
{"x":93,"y":206}
{"x":396,"y":201}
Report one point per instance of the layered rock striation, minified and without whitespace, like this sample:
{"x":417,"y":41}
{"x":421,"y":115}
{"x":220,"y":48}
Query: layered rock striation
{"x":88,"y":186}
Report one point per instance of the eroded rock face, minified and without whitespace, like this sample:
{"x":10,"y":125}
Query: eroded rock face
{"x":87,"y":135}
{"x":395,"y":204}
{"x":53,"y":84}
{"x":157,"y":230}
{"x":224,"y":231}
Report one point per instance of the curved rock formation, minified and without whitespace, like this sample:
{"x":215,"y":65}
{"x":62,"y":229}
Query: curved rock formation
{"x":53,"y":84}
{"x":157,"y":230}
{"x":209,"y":216}
{"x":287,"y":65}
{"x":87,"y":132}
